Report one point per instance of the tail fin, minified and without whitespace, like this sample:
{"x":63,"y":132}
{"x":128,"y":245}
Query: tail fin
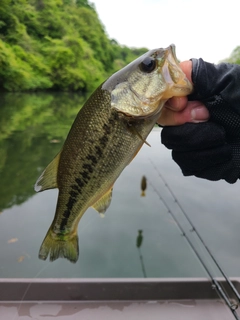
{"x":143,"y":194}
{"x":57,"y":247}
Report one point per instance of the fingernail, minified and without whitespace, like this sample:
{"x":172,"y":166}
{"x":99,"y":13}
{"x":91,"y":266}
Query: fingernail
{"x":199,"y":114}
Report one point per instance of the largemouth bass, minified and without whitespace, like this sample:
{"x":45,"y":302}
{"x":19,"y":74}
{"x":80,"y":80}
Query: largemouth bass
{"x":107,"y":133}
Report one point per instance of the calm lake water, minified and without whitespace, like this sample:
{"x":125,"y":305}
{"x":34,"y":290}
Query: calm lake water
{"x":33,"y":128}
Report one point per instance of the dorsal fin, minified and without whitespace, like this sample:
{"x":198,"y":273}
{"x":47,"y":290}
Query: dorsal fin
{"x":48,"y":178}
{"x":104,"y":202}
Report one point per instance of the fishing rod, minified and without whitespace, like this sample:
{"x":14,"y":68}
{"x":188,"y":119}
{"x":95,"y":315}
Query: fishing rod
{"x":215,"y":284}
{"x":198,"y":234}
{"x":201,"y":239}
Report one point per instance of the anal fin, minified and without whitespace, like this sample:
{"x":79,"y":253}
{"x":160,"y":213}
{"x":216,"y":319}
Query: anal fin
{"x":104,"y":202}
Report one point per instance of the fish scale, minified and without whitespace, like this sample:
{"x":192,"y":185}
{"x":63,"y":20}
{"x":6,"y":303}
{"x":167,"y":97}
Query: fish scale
{"x":106,"y":135}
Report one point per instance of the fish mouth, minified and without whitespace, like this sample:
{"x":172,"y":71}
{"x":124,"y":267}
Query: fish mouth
{"x":171,"y":64}
{"x":174,"y":75}
{"x":172,"y":49}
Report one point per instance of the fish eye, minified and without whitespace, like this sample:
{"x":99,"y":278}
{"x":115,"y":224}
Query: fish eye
{"x":148,"y":65}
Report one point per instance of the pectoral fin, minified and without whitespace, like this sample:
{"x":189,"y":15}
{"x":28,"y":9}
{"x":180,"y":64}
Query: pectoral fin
{"x":104,"y":202}
{"x":48,"y":178}
{"x":134,"y":131}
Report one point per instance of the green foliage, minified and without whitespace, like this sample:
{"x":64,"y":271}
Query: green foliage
{"x":32,"y":130}
{"x":56,"y":44}
{"x":235,"y":56}
{"x":73,"y":66}
{"x":21,"y":71}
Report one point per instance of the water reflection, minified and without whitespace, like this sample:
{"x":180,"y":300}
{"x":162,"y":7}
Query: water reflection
{"x":32,"y":129}
{"x":143,"y":186}
{"x":139,"y":239}
{"x":138,"y":244}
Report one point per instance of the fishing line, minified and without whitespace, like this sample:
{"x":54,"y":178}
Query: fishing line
{"x":215,"y":284}
{"x":200,"y":238}
{"x":198,"y":234}
{"x":142,"y":263}
{"x":27,"y":289}
{"x":37,"y":275}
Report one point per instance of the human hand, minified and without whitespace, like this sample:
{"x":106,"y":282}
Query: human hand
{"x":211,"y":149}
{"x":178,"y":110}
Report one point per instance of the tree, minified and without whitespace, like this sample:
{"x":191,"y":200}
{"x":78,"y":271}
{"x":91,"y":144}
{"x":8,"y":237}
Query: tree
{"x":56,"y":44}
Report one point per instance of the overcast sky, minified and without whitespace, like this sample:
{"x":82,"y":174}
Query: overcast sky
{"x":209,"y":29}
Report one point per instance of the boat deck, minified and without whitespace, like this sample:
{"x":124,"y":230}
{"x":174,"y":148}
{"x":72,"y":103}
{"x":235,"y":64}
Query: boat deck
{"x":71,"y":299}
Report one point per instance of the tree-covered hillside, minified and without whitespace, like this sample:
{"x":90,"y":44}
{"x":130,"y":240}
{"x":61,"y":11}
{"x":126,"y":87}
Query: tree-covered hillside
{"x":56,"y":44}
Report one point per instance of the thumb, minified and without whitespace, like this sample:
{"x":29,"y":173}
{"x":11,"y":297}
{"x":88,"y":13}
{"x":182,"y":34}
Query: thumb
{"x":195,"y":111}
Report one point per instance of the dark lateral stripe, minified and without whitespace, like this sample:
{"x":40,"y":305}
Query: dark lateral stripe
{"x":63,"y":223}
{"x":71,"y":201}
{"x":85,"y":175}
{"x":74,"y":187}
{"x":88,"y":166}
{"x":99,"y":151}
{"x":92,"y":158}
{"x":103,"y":141}
{"x":106,"y":129}
{"x":79,"y":182}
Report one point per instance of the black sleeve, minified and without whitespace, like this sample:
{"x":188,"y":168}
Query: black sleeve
{"x":210,"y":150}
{"x":220,"y":81}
